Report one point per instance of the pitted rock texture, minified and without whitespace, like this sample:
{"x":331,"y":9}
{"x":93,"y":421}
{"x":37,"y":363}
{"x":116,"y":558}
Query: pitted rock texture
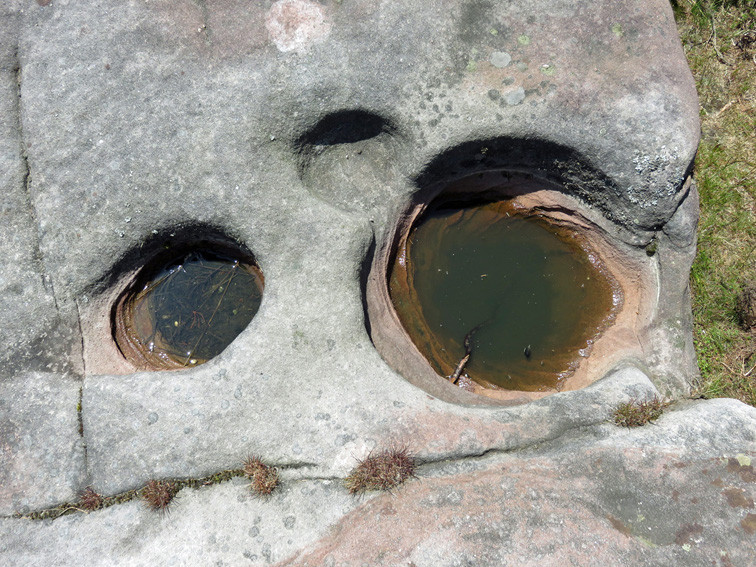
{"x":134,"y":434}
{"x":302,"y":129}
{"x":204,"y":132}
{"x":36,"y":335}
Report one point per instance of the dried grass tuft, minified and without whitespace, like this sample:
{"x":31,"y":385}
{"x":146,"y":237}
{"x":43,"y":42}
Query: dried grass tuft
{"x":636,"y":413}
{"x":158,"y":494}
{"x":264,"y":477}
{"x":382,"y":471}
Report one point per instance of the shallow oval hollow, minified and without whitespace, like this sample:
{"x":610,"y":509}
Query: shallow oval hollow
{"x":505,"y":297}
{"x":186,"y":306}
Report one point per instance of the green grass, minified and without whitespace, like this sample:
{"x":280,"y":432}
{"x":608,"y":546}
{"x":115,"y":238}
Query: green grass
{"x":719,"y":38}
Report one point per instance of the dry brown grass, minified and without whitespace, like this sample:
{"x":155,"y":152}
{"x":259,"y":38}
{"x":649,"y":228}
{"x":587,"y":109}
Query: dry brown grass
{"x":158,"y":494}
{"x":383,"y":470}
{"x":264,"y":477}
{"x":90,"y":500}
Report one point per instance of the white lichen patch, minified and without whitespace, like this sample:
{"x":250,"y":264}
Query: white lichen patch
{"x":515,"y":97}
{"x":654,"y":172}
{"x":500,"y":59}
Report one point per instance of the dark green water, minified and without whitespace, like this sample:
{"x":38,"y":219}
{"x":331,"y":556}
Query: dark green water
{"x":189,"y":311}
{"x":512,"y":283}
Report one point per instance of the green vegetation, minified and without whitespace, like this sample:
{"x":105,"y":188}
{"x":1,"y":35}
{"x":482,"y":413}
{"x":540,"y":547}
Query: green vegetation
{"x":639,"y":412}
{"x":719,"y":38}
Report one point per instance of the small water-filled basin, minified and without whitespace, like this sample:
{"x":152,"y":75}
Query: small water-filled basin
{"x":522,"y":295}
{"x":186,"y":309}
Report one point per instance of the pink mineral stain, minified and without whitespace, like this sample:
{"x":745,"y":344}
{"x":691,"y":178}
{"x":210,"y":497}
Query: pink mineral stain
{"x":294,"y":25}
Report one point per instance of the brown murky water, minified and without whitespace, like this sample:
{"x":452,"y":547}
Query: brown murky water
{"x":525,"y":293}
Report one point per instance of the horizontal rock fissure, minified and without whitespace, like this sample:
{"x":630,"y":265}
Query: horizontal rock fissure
{"x":66,"y":508}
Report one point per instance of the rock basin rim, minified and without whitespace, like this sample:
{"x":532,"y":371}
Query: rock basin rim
{"x":627,"y":270}
{"x":530,"y":194}
{"x":110,"y":346}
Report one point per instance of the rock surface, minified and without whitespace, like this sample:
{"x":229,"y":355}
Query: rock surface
{"x":35,"y":336}
{"x":680,"y":492}
{"x":302,"y":129}
{"x":607,"y":497}
{"x":42,"y":459}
